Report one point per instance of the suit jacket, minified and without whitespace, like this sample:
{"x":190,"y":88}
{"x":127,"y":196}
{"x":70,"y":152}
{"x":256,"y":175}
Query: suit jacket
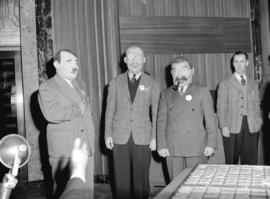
{"x":76,"y":189}
{"x":180,"y":122}
{"x":230,"y":103}
{"x":59,"y":103}
{"x":124,"y":117}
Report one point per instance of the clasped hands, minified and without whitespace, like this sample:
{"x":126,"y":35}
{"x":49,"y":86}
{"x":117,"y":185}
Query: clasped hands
{"x":109,"y":144}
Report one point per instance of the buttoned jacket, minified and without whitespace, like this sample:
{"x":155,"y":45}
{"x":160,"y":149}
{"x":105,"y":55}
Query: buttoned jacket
{"x":231,"y":101}
{"x":124,"y":118}
{"x":59,"y":103}
{"x":186,"y":123}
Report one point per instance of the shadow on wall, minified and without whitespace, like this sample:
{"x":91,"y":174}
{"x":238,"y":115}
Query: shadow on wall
{"x":41,"y":124}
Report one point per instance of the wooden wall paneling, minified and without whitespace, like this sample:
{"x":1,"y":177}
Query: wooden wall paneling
{"x":185,"y":34}
{"x":236,"y":34}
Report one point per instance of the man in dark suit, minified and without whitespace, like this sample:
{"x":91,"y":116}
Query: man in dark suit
{"x":130,"y":132}
{"x":183,"y":109}
{"x":76,"y":187}
{"x":239,"y":113}
{"x":66,"y":107}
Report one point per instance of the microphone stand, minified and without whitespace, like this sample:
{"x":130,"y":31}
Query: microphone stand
{"x":9,"y":180}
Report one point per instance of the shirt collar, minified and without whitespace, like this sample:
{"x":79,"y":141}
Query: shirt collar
{"x":184,"y":88}
{"x":69,"y":82}
{"x":130,"y":75}
{"x":239,"y":78}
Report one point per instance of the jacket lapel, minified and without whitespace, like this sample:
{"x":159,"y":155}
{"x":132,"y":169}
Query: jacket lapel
{"x":142,"y":82}
{"x":175,"y":97}
{"x":124,"y":85}
{"x":236,"y":83}
{"x":67,"y":90}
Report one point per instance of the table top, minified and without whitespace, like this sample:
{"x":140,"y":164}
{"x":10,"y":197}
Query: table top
{"x":220,"y":181}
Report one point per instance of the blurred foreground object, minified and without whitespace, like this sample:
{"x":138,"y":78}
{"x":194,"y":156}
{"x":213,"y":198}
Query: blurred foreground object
{"x":14,"y":153}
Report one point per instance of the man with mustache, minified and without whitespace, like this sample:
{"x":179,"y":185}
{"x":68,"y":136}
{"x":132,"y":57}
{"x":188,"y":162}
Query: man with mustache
{"x":130,"y":126}
{"x":182,"y":137}
{"x":66,"y":107}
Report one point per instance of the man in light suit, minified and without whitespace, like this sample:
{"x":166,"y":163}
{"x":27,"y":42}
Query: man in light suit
{"x":239,"y":114}
{"x":130,"y":132}
{"x":65,"y":105}
{"x":183,"y":108}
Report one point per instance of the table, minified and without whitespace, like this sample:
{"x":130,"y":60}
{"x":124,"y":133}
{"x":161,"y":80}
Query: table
{"x":220,"y":181}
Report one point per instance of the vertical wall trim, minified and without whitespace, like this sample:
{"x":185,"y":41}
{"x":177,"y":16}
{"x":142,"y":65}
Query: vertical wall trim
{"x":256,"y":40}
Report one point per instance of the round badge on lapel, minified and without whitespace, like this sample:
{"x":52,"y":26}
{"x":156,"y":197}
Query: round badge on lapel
{"x":188,"y":98}
{"x":142,"y":87}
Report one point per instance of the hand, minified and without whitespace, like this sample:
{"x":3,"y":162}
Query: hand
{"x":164,"y":152}
{"x":209,"y":151}
{"x":79,"y":158}
{"x":153,"y":145}
{"x":225,"y":132}
{"x":9,"y":181}
{"x":109,"y":143}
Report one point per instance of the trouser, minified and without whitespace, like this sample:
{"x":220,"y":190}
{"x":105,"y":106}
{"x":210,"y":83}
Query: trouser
{"x":61,"y":174}
{"x":131,"y":161}
{"x":176,"y":164}
{"x":243,"y":145}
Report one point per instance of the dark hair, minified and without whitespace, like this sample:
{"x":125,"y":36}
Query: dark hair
{"x":180,"y":60}
{"x":57,"y":56}
{"x":240,"y":52}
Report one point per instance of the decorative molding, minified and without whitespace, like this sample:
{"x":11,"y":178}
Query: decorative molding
{"x":256,"y":40}
{"x":44,"y":36}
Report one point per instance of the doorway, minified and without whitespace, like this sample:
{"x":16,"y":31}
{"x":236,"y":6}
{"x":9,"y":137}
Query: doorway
{"x":11,"y":101}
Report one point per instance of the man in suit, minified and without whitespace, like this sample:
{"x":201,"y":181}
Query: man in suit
{"x":183,"y":109}
{"x":66,"y":107}
{"x":130,"y":132}
{"x":76,"y":187}
{"x":239,"y":114}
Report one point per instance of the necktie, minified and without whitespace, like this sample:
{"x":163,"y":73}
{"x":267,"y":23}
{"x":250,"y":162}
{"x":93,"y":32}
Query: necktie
{"x":181,"y":90}
{"x":133,"y":79}
{"x":243,"y":81}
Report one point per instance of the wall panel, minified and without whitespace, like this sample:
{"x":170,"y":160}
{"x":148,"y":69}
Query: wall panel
{"x":145,"y":23}
{"x":185,"y":34}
